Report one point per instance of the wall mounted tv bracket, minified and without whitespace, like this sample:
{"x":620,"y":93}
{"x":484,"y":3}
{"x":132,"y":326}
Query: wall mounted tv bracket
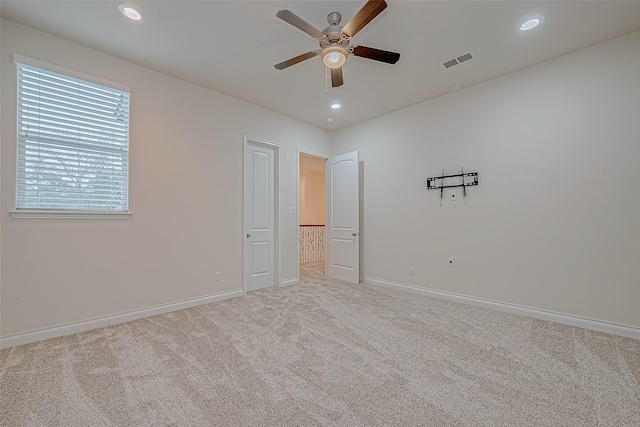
{"x":463,"y":180}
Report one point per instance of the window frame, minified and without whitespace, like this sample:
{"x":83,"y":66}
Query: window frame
{"x":28,"y":213}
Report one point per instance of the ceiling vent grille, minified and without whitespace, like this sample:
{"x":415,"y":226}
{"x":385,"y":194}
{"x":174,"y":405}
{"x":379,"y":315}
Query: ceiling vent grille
{"x":462,"y":58}
{"x":450,"y":63}
{"x":459,"y":60}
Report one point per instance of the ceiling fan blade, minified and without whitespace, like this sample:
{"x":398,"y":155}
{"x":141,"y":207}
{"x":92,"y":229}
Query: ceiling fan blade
{"x":296,"y":59}
{"x":336,"y":77}
{"x":299,"y":23}
{"x":376,"y":54}
{"x":369,"y":11}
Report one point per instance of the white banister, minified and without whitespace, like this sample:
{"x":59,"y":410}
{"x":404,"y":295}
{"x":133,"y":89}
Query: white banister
{"x":311,"y":242}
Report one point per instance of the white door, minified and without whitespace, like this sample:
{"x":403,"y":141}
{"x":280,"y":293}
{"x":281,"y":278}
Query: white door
{"x":259,"y":216}
{"x":343,"y":218}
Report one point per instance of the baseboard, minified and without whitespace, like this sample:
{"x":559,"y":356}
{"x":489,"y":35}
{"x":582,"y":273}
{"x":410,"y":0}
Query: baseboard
{"x":289,"y":282}
{"x":551,"y":316}
{"x":101,"y":322}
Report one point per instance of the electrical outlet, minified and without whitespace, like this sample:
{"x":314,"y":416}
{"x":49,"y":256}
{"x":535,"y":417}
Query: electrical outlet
{"x":217,"y":276}
{"x":450,"y":263}
{"x":411,"y":271}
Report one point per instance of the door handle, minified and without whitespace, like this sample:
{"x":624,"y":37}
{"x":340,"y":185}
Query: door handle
{"x":354,"y":234}
{"x":248,"y":235}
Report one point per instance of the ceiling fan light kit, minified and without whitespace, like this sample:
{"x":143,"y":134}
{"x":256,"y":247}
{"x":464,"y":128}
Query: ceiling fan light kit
{"x":335,"y":40}
{"x":334,"y":56}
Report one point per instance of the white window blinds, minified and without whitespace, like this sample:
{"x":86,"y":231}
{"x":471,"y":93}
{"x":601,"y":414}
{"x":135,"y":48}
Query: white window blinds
{"x":73,"y":143}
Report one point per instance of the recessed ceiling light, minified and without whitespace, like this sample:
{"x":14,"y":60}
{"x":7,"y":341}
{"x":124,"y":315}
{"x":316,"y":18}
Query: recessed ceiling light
{"x":130,"y":12}
{"x":531,"y":23}
{"x":335,"y":106}
{"x":329,"y":119}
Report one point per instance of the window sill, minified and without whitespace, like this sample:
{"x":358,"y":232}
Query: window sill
{"x":37,"y":214}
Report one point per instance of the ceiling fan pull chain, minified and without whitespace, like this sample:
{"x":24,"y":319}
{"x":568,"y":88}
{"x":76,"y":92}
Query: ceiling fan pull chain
{"x":326,"y":80}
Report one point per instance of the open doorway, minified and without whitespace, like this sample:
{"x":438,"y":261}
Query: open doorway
{"x":312,"y":216}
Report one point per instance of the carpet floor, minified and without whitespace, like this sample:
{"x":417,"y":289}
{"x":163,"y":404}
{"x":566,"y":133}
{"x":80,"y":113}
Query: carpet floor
{"x":325,"y":353}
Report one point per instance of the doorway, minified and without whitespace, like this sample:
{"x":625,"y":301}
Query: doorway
{"x":312,"y":210}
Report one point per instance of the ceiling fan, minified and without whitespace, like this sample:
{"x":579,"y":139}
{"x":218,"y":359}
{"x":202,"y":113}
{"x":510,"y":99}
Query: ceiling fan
{"x":335,"y":40}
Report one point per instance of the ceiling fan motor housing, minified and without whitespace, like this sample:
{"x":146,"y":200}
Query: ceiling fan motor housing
{"x":333,"y":32}
{"x":342,"y":43}
{"x":334,"y":40}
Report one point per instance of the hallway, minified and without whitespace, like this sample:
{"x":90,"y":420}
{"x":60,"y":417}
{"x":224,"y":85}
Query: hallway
{"x":311,"y":270}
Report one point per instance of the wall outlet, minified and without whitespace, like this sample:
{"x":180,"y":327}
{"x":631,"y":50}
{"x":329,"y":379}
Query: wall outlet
{"x":411,"y":271}
{"x":216,"y":277}
{"x":450,"y":262}
{"x":292,"y":210}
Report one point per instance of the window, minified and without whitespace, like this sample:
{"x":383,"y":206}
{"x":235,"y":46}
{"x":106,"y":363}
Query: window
{"x":73,"y":143}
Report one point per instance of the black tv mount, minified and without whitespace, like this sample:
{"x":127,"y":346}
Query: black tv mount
{"x":464,"y":183}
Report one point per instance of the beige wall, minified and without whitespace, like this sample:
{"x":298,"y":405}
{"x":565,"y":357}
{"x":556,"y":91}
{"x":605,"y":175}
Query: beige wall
{"x":185,"y":195}
{"x":555,"y":221}
{"x":312,"y":190}
{"x":312,"y":212}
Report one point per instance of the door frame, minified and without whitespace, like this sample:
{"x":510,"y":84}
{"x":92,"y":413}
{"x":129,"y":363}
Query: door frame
{"x":257,"y":142}
{"x":325,"y":157}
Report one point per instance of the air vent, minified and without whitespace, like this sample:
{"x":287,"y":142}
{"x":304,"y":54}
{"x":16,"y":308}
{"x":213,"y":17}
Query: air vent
{"x":450,"y":64}
{"x":459,"y":60}
{"x":465,"y":57}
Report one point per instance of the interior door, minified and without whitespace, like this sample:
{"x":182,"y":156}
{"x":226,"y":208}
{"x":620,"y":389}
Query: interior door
{"x":259,"y":191}
{"x":343,"y":217}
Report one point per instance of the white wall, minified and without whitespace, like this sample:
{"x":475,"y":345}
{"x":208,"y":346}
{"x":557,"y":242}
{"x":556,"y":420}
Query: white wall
{"x":555,"y":221}
{"x":185,"y":194}
{"x":1,"y":97}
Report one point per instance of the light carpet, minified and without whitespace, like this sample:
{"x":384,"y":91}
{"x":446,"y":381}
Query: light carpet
{"x":325,"y":353}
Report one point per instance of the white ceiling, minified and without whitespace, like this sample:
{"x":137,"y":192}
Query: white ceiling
{"x":231,"y":46}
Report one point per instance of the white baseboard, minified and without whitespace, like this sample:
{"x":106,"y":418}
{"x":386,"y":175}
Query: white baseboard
{"x":551,"y":316}
{"x":101,"y":322}
{"x":289,"y":282}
